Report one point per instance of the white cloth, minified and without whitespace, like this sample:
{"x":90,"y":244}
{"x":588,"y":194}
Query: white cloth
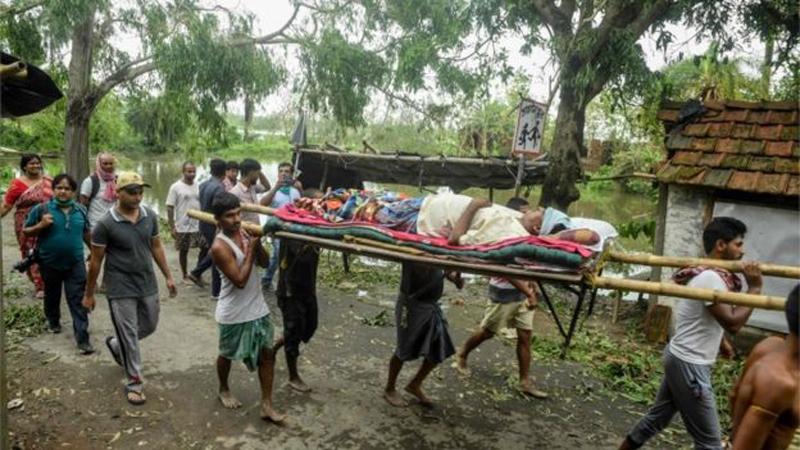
{"x":440,"y":212}
{"x":281,"y":199}
{"x":697,"y":332}
{"x":98,"y":206}
{"x":239,"y":305}
{"x":182,"y":197}
{"x":604,"y":229}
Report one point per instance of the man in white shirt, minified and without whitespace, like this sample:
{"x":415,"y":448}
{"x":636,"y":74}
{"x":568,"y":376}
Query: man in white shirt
{"x":184,"y":195}
{"x":98,"y":192}
{"x":699,"y":326}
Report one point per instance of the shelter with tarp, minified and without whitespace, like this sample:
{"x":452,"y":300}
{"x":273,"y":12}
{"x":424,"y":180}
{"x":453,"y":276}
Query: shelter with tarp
{"x":324,"y":166}
{"x":733,"y":158}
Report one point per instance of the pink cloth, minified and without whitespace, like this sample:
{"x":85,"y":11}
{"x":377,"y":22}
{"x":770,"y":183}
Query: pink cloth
{"x":289,"y":213}
{"x":110,"y":194}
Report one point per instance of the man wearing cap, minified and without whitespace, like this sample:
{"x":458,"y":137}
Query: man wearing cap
{"x":126,"y":237}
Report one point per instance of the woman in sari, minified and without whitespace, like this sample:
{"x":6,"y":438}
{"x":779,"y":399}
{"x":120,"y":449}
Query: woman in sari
{"x":31,"y":188}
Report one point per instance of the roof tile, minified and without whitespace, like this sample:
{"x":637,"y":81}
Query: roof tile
{"x":743,"y":181}
{"x":712,"y":159}
{"x":782,"y":117}
{"x":717,"y":177}
{"x":742,"y":104}
{"x":734,"y":161}
{"x":772,"y":183}
{"x":768,"y":132}
{"x":686,"y":174}
{"x":787,"y":165}
{"x":696,"y":129}
{"x":736,"y":115}
{"x":790,"y":133}
{"x":677,"y":141}
{"x":668,"y":115}
{"x":697,"y":178}
{"x":686,"y":158}
{"x":720,"y":129}
{"x":761,"y":164}
{"x":787,"y":105}
{"x":752,"y":147}
{"x":757,"y":117}
{"x":714,"y":104}
{"x":703,"y":145}
{"x":779,"y":148}
{"x":793,"y":187}
{"x":741,"y":130}
{"x":667,"y":173}
{"x":728,"y":145}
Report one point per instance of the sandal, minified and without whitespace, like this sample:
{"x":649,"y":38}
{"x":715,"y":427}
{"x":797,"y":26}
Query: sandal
{"x":135,"y":398}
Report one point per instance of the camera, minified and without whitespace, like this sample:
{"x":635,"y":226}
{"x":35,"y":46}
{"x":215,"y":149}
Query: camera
{"x":26,"y":262}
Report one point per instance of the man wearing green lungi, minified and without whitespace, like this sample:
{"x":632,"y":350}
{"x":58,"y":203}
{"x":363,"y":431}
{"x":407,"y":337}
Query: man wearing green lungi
{"x":245,"y":328}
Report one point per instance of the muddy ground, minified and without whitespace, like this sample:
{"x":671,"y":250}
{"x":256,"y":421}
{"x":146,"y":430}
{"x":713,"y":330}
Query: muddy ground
{"x":74,"y":401}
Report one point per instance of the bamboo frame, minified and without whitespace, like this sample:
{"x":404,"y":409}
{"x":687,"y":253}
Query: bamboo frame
{"x":767,"y":269}
{"x":676,"y":290}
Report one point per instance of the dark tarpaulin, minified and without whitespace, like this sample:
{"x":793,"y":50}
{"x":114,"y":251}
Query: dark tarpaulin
{"x":34,"y":92}
{"x":350,"y":170}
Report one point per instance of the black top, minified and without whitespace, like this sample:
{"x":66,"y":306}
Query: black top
{"x":297,"y":276}
{"x":421,"y":282}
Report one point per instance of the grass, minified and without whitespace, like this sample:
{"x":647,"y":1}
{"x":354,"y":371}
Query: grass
{"x":267,"y":148}
{"x":27,"y":320}
{"x":361,"y":276}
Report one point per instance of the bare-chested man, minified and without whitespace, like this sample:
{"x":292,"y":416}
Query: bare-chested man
{"x":766,"y":401}
{"x":245,"y":328}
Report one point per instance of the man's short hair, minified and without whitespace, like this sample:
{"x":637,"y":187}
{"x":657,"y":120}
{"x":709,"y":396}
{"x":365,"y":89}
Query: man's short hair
{"x":791,"y":310}
{"x":516,"y":203}
{"x":224,"y":202}
{"x":725,"y":228}
{"x":285,"y":164}
{"x":217,"y":167}
{"x":249,"y":165}
{"x":186,"y":163}
{"x":232,"y":165}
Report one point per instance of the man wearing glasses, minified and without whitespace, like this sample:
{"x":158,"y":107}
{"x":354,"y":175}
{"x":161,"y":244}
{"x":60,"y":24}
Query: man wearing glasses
{"x":127,"y":238}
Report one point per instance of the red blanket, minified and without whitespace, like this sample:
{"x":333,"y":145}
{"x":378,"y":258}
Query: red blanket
{"x":289,"y":213}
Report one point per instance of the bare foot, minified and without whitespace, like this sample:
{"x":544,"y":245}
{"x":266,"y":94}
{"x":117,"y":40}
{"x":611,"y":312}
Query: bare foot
{"x":394,"y":398}
{"x":299,"y":385}
{"x":278,"y":344}
{"x":417,"y":392}
{"x":269,"y":414}
{"x":460,"y":364}
{"x":228,"y":400}
{"x":527,"y":388}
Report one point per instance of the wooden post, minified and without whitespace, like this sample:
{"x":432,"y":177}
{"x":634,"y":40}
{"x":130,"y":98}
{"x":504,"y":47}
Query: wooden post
{"x":491,"y":194}
{"x":324,"y":177}
{"x":520,"y":174}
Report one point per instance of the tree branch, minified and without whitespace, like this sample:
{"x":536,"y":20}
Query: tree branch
{"x":553,"y":17}
{"x":267,"y":38}
{"x":125,"y":73}
{"x":629,"y":17}
{"x":6,"y":11}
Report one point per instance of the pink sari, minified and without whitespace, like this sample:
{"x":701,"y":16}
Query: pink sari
{"x":25,"y":197}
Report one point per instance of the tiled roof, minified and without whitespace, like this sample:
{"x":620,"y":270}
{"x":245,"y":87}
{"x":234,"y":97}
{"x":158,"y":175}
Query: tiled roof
{"x":744,"y":146}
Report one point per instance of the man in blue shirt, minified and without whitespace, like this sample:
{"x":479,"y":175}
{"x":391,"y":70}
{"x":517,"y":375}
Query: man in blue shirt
{"x":209,"y":189}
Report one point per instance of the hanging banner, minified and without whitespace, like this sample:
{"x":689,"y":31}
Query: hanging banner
{"x":529,"y":132}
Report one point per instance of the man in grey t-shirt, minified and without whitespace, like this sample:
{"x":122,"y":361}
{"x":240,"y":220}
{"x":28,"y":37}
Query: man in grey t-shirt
{"x":686,"y":387}
{"x":127,"y":238}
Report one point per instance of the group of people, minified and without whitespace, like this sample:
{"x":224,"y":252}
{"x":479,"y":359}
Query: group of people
{"x":123,"y":235}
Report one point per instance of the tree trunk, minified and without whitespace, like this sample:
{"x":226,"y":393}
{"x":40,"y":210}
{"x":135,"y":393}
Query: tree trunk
{"x":80,"y":103}
{"x":766,"y":67}
{"x":565,"y":170}
{"x":248,"y":117}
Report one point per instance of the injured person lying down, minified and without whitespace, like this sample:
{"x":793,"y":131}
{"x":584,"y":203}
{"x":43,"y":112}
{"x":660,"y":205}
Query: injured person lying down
{"x":461,"y":219}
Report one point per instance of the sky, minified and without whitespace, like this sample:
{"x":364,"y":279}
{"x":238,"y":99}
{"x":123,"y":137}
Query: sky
{"x":272,"y":14}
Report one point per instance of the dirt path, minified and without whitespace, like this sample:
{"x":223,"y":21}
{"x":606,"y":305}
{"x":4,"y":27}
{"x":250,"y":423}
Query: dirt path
{"x":73,"y":401}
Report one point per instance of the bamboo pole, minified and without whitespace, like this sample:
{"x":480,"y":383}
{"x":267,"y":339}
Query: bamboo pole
{"x":733,"y":266}
{"x":420,"y":158}
{"x":252,"y":207}
{"x":676,"y":290}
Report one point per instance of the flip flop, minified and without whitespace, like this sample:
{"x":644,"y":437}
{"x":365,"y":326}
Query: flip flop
{"x":135,"y":398}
